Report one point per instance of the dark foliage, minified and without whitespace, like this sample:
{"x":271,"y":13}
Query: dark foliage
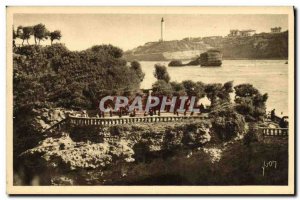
{"x":250,"y":102}
{"x":46,"y":76}
{"x":226,"y":122}
{"x":161,"y":73}
{"x":218,"y":93}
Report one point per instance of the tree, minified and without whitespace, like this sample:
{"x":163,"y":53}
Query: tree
{"x":55,"y":35}
{"x":70,"y":79}
{"x":194,"y":88}
{"x":136,"y":67}
{"x":40,"y":33}
{"x":107,"y":50}
{"x":245,"y":90}
{"x":161,"y":87}
{"x":250,"y":102}
{"x":24,"y":33}
{"x":224,"y":93}
{"x":161,"y":73}
{"x":177,"y":89}
{"x":218,"y":93}
{"x":212,"y":91}
{"x":226,"y":122}
{"x":15,"y":34}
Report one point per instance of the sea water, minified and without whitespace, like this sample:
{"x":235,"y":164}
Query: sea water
{"x":268,"y":76}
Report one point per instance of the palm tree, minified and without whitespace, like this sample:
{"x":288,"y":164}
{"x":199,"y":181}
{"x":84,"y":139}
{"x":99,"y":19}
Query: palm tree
{"x":55,"y":35}
{"x":40,"y":33}
{"x":24,"y":33}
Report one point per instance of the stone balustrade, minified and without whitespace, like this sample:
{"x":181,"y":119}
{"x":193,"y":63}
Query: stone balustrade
{"x":57,"y":126}
{"x":82,"y":121}
{"x":275,"y":132}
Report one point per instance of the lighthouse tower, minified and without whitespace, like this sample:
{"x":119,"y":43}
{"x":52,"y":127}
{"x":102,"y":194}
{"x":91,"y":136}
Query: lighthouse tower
{"x":162,"y":27}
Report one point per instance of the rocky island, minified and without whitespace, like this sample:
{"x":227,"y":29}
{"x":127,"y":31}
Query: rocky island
{"x":211,"y":58}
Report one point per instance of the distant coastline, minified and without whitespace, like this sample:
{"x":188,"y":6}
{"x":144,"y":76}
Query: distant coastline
{"x":186,"y":60}
{"x":255,"y":59}
{"x":263,"y":46}
{"x":189,"y":59}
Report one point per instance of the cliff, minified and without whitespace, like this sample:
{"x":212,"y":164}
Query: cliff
{"x":170,"y":153}
{"x":258,"y":46}
{"x":148,"y":154}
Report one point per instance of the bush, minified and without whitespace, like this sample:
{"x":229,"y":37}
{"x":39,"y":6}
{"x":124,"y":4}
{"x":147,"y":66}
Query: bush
{"x":136,"y":67}
{"x":226,"y":122}
{"x":250,"y":102}
{"x":64,"y":78}
{"x":161,"y":73}
{"x":161,"y":87}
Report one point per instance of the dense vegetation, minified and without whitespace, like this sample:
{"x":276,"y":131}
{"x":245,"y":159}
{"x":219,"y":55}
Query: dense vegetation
{"x":226,"y":122}
{"x":228,"y":118}
{"x":55,"y":76}
{"x":250,"y":102}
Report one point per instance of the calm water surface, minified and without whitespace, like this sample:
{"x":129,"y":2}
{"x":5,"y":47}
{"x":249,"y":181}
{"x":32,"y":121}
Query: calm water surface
{"x":269,"y":76}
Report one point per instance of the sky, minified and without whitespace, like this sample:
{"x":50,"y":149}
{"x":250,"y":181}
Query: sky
{"x":127,"y":31}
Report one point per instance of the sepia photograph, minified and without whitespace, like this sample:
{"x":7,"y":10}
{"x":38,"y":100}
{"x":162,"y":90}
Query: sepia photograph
{"x":150,"y":100}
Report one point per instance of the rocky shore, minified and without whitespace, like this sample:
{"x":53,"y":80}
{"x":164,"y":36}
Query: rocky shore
{"x":190,"y":152}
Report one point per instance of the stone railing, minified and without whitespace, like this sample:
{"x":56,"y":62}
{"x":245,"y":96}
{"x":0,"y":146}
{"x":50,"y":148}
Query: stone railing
{"x":58,"y":125}
{"x":82,"y":121}
{"x":275,"y":132}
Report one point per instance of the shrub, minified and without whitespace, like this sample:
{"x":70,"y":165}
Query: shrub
{"x":250,"y":102}
{"x":161,"y":87}
{"x":226,"y":122}
{"x":161,"y":73}
{"x":64,"y":78}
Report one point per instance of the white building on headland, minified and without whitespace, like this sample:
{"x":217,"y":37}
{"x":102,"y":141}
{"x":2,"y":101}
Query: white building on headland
{"x":276,"y":29}
{"x":241,"y":33}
